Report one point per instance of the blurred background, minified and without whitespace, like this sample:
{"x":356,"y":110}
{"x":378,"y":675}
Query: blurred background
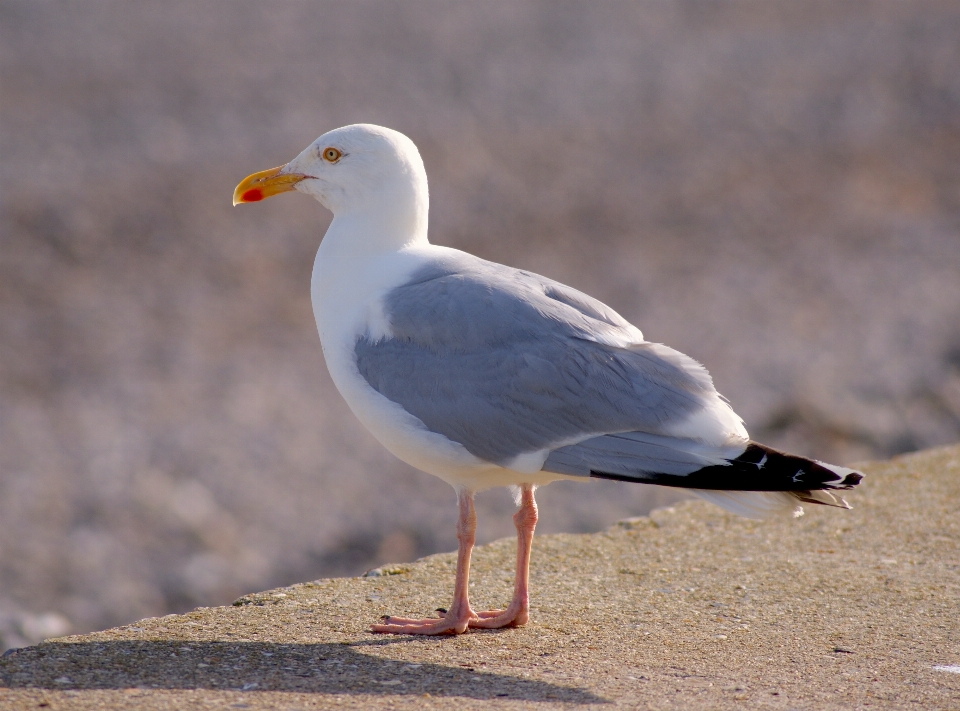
{"x":772,"y":188}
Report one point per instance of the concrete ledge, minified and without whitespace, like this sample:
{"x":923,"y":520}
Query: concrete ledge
{"x":689,"y":608}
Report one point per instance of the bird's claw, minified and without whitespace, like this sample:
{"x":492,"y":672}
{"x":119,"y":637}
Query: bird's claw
{"x":513,"y":616}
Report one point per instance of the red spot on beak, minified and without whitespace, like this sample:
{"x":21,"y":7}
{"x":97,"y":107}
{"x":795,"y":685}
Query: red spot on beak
{"x":252,"y":195}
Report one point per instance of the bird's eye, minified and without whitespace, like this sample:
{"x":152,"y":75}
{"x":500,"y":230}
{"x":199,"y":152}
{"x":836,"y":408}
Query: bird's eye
{"x":331,"y":155}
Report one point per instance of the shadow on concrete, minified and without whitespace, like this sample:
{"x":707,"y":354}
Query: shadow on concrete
{"x":258,"y":667}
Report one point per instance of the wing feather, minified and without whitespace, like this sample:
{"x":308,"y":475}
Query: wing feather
{"x":506,"y":363}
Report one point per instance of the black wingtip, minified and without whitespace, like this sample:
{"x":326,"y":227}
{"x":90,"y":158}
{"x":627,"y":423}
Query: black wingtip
{"x":757,"y":468}
{"x":850,"y":480}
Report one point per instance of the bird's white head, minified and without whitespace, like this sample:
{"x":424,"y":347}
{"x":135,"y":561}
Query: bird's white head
{"x":367,"y":175}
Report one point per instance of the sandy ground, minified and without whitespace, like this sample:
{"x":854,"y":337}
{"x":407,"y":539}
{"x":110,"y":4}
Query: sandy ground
{"x":689,"y":608}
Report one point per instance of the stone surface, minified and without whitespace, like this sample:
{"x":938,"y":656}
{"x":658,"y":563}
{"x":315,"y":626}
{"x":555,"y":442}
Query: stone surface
{"x":688,"y":608}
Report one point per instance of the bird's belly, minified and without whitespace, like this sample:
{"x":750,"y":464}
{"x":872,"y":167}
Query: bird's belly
{"x":405,"y":436}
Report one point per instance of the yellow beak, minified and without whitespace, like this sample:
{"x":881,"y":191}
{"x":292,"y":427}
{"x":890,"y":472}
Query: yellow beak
{"x":264,"y":184}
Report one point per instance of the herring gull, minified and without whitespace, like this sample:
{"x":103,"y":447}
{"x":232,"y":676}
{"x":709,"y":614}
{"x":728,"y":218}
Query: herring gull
{"x":485,"y":375}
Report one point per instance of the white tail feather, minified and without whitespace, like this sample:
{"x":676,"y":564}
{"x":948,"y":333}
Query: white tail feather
{"x":753,"y":504}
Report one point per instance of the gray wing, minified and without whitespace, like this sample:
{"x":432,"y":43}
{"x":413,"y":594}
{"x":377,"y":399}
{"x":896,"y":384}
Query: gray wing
{"x":506,"y":362}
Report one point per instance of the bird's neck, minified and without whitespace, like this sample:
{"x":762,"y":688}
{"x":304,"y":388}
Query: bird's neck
{"x":385,"y":221}
{"x":369,"y":235}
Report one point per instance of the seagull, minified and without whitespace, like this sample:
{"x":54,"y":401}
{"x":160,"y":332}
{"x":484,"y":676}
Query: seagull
{"x":485,"y":375}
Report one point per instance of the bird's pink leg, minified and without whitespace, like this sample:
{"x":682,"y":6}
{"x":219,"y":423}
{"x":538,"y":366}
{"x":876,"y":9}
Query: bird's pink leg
{"x":518,"y":612}
{"x":459,"y":616}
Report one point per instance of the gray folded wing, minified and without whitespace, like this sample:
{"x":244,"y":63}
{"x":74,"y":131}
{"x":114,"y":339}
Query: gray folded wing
{"x":506,"y":362}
